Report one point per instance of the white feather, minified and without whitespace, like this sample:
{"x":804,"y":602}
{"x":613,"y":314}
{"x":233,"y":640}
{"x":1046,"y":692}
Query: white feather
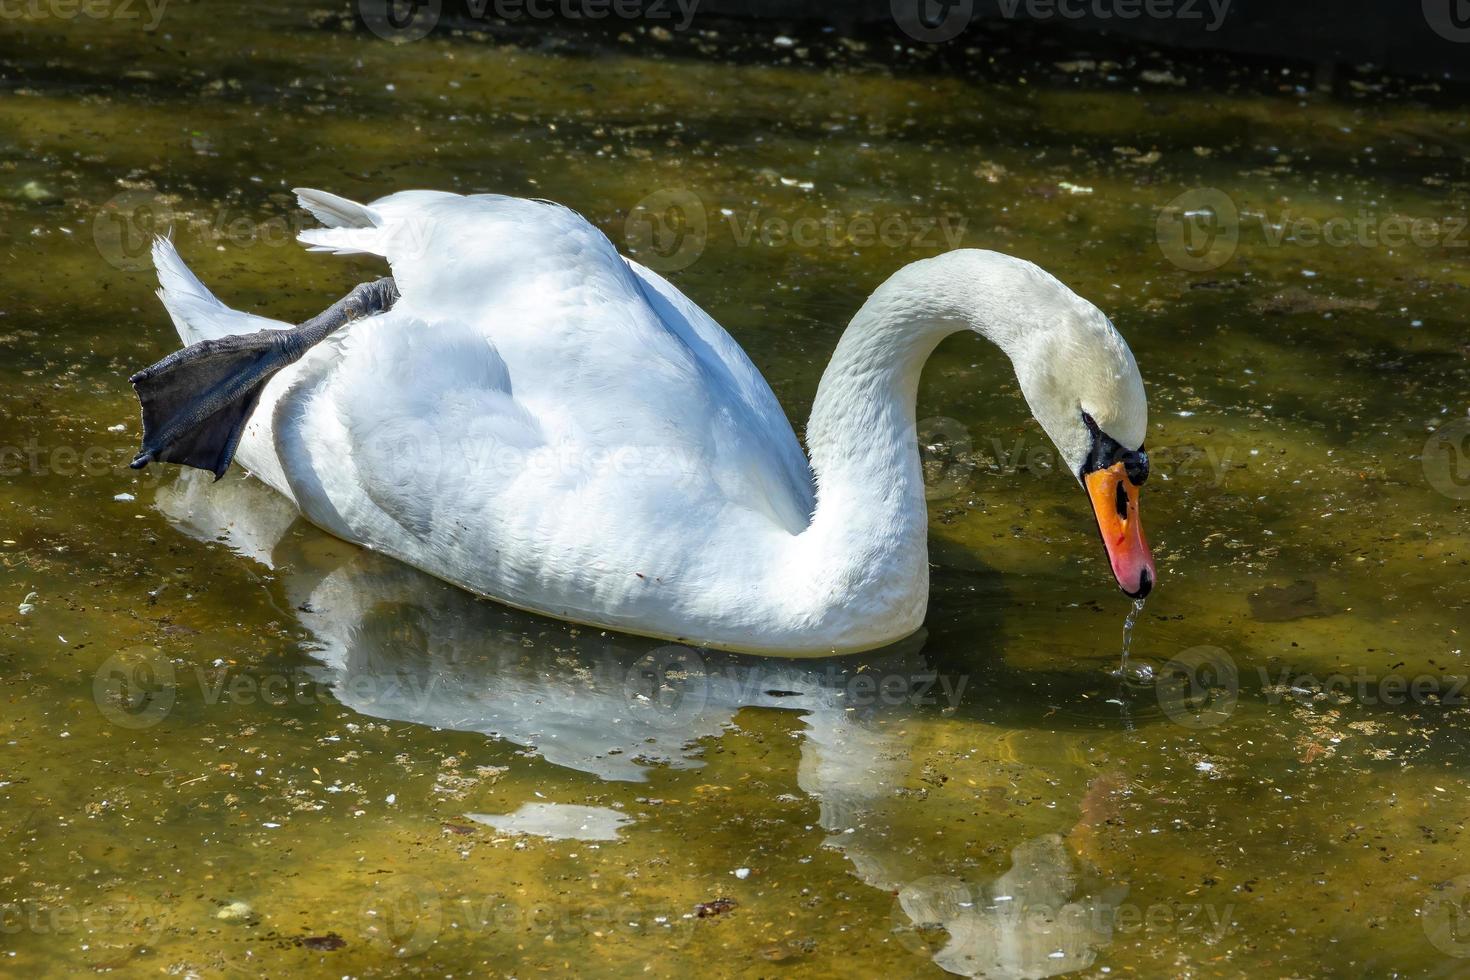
{"x":544,"y":422}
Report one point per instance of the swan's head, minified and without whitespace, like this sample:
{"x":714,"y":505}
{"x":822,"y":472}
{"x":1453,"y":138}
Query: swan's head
{"x":1082,"y":385}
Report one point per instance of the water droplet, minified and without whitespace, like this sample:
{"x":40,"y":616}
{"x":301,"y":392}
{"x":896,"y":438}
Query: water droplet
{"x":1141,"y":673}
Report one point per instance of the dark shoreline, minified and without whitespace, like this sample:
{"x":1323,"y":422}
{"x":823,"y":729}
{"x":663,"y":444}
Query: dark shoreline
{"x":1408,"y":39}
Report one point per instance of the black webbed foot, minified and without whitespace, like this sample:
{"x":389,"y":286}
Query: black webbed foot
{"x":196,"y":401}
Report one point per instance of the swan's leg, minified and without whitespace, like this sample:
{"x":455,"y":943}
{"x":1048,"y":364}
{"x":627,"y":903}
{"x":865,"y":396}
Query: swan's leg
{"x":196,"y":401}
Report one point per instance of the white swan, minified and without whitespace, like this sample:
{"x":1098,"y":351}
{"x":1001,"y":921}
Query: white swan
{"x":546,"y":423}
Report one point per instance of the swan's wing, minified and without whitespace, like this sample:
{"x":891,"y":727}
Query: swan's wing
{"x":780,"y":465}
{"x":426,"y":419}
{"x":602,"y":355}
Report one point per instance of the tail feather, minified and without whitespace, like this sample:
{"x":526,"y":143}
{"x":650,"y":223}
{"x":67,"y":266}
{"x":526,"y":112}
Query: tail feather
{"x":196,"y":312}
{"x":341,"y":241}
{"x":351,"y":228}
{"x":337,"y":212}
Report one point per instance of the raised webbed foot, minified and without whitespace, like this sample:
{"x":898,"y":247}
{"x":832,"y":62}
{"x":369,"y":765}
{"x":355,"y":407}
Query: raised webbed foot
{"x":196,"y":401}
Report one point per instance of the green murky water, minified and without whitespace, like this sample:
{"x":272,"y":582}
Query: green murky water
{"x":236,"y":746}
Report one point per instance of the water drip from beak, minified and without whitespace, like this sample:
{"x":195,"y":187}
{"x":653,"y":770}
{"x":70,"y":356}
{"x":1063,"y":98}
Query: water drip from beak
{"x":1137,"y":673}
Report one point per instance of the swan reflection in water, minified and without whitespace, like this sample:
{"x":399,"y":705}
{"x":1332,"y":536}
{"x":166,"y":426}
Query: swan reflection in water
{"x":396,"y":644}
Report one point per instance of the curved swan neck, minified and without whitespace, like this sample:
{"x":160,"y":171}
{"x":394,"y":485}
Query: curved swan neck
{"x":866,"y":548}
{"x":862,"y":435}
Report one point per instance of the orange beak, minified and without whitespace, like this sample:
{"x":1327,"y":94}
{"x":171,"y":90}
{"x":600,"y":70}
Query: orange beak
{"x":1115,"y":502}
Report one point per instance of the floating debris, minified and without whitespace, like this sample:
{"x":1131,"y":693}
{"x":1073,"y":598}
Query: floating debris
{"x":325,"y":943}
{"x":34,"y":192}
{"x":708,"y":910}
{"x":235,"y":912}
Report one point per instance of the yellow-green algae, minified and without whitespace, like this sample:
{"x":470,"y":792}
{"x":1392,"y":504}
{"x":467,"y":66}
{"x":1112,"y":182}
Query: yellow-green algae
{"x":268,"y":808}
